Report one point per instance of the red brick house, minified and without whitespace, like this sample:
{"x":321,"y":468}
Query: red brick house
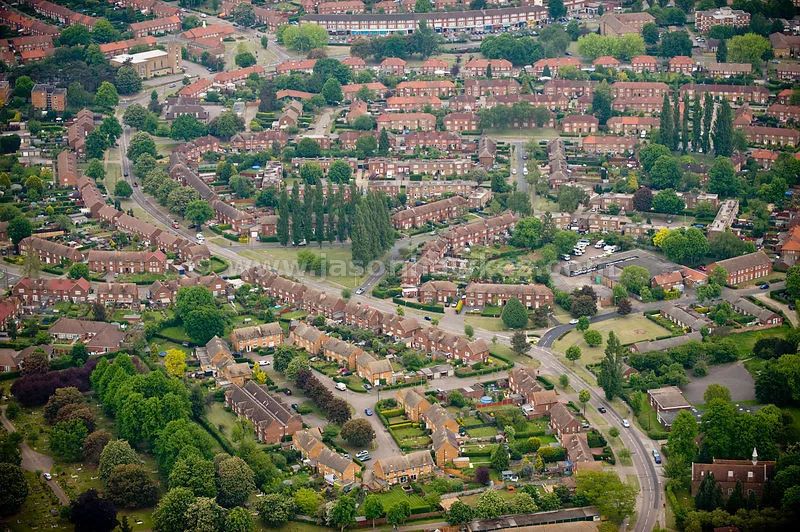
{"x":272,"y":420}
{"x":579,"y":125}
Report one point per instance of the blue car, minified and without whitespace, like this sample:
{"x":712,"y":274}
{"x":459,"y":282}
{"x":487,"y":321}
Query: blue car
{"x":368,"y":411}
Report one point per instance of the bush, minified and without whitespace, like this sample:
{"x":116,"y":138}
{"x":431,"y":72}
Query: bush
{"x":430,"y":308}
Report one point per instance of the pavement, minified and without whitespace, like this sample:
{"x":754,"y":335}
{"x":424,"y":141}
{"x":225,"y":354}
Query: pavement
{"x":35,"y":461}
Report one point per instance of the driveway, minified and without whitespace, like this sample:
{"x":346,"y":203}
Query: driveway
{"x":734,"y":376}
{"x":35,"y":461}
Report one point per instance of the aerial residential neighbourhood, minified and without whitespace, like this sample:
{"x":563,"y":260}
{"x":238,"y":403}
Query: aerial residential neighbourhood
{"x":411,"y":265}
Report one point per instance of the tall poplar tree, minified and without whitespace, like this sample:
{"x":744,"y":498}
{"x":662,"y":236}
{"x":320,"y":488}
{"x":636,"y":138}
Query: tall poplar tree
{"x":666,"y":126}
{"x":697,"y":123}
{"x":685,"y":124}
{"x":319,"y":214}
{"x":283,"y":218}
{"x":708,"y":117}
{"x":723,"y":130}
{"x":298,"y":231}
{"x":676,"y":120}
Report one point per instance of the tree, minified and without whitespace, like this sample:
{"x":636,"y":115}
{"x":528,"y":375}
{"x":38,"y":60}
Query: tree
{"x":556,"y":9}
{"x":748,"y":48}
{"x":373,"y":508}
{"x":400,"y":511}
{"x":198,"y":212}
{"x":91,"y":513}
{"x":500,"y":459}
{"x":634,"y":278}
{"x":303,"y":37}
{"x":307,"y":501}
{"x":332,"y":91}
{"x":667,"y":201}
{"x":614,"y":499}
{"x":624,"y":306}
{"x":643,"y":199}
{"x":239,"y":518}
{"x":234,"y":482}
{"x":205,"y":514}
{"x":78,"y":270}
{"x":75,"y":35}
{"x":116,"y":452}
{"x":123,"y":189}
{"x":10,"y":143}
{"x":519,"y":343}
{"x":723,"y":130}
{"x":610,"y":376}
{"x":593,"y":338}
{"x":106,"y":95}
{"x":666,"y":125}
{"x":583,"y":397}
{"x":130,"y":486}
{"x":528,"y":233}
{"x":93,"y":445}
{"x":204,"y":323}
{"x":358,"y":432}
{"x":573,"y":353}
{"x":19,"y":228}
{"x":14,"y":490}
{"x":469,"y":330}
{"x":490,"y":505}
{"x":175,"y":362}
{"x":665,"y":173}
{"x":682,"y":436}
{"x":170,"y":514}
{"x":340,"y":172}
{"x":187,"y":127}
{"x":716,"y":391}
{"x":66,"y":439}
{"x":343,"y":512}
{"x":244,"y":59}
{"x":514,"y":315}
{"x":459,"y":513}
{"x":275,"y":509}
{"x":675,"y":43}
{"x":722,"y":178}
{"x":722,"y":51}
{"x":650,"y":34}
{"x":127,"y":81}
{"x":601,"y":103}
{"x":226,"y":125}
{"x":709,"y":494}
{"x":141,"y":143}
{"x":242,"y":186}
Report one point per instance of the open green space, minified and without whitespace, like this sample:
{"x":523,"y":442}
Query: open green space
{"x":340,"y":272}
{"x":176,"y":333}
{"x":396,"y":495}
{"x":629,"y":329}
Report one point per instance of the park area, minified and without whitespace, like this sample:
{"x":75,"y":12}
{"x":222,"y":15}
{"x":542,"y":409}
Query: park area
{"x":340,"y":268}
{"x":629,"y":329}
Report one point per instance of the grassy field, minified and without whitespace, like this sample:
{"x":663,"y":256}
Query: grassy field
{"x":489,"y":324}
{"x":397,"y":495}
{"x":482,"y":432}
{"x":176,"y":334}
{"x":341,"y":271}
{"x":543,"y":133}
{"x":629,"y":329}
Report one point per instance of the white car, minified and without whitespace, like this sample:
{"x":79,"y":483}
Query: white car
{"x":513,"y":170}
{"x":599,"y":244}
{"x":573,"y":321}
{"x":47,"y":476}
{"x":263,"y":363}
{"x":583,"y":242}
{"x":626,"y":423}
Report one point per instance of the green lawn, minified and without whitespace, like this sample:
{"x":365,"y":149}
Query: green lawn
{"x":482,"y":432}
{"x":175,"y":333}
{"x":35,"y":512}
{"x":341,"y":271}
{"x":746,"y":340}
{"x":629,"y":329}
{"x":489,"y":324}
{"x":397,"y":495}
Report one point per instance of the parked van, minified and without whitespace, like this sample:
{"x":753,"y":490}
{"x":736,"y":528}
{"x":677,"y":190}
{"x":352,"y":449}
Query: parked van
{"x":341,"y":386}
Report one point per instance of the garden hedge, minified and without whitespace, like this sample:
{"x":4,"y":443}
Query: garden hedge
{"x":429,"y":308}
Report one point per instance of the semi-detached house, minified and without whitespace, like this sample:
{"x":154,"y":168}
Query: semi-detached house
{"x":272,"y":420}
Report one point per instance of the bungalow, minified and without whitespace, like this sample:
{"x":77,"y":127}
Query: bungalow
{"x":667,"y":402}
{"x":763,"y":316}
{"x":99,"y":337}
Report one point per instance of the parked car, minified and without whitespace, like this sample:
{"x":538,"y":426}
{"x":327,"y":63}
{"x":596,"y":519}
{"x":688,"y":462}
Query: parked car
{"x":427,"y":318}
{"x":601,"y":409}
{"x":263,"y":363}
{"x":368,"y":411}
{"x":287,"y":391}
{"x":47,"y":476}
{"x":573,"y":321}
{"x":367,"y":386}
{"x":626,"y":423}
{"x":295,"y":407}
{"x":764,"y":286}
{"x":656,"y":456}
